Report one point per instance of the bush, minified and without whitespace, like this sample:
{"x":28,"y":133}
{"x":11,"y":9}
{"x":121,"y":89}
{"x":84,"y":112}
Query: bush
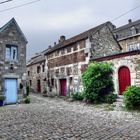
{"x":27,"y":100}
{"x":98,"y":81}
{"x":132,"y":97}
{"x":2,"y":97}
{"x":110,"y":98}
{"x":78,"y":96}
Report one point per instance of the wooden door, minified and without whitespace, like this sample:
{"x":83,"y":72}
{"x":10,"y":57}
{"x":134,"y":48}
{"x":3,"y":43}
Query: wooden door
{"x":124,"y":79}
{"x":63,"y":87}
{"x":11,"y":91}
{"x":38,"y":86}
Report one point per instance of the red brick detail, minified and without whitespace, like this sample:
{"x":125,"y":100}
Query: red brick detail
{"x":67,"y":59}
{"x":136,"y":52}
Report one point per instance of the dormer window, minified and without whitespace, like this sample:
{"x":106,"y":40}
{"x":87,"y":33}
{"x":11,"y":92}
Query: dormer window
{"x":133,"y":30}
{"x":11,"y":52}
{"x":133,"y":46}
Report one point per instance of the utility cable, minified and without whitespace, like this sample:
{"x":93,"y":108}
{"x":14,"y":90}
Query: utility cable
{"x":19,"y":6}
{"x":126,"y":13}
{"x":5,"y":1}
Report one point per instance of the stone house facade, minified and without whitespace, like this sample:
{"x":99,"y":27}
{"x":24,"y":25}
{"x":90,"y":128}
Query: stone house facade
{"x":12,"y":60}
{"x":126,"y":69}
{"x":128,"y":36}
{"x":126,"y":63}
{"x":66,"y":60}
{"x":36,"y":73}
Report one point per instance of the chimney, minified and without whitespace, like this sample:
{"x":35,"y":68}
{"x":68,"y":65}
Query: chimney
{"x":49,"y":46}
{"x":62,"y":38}
{"x":54,"y":43}
{"x":129,"y":21}
{"x":114,"y":27}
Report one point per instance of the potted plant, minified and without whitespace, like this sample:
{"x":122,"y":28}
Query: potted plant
{"x":2,"y":98}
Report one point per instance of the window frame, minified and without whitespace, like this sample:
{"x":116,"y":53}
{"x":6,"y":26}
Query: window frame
{"x":10,"y":48}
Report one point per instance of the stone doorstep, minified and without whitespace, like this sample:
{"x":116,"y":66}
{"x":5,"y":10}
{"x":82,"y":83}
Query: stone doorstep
{"x":119,"y":103}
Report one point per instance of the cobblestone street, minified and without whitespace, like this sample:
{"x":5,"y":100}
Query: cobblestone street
{"x":56,"y":119}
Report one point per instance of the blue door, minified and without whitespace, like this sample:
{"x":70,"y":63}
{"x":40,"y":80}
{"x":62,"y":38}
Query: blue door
{"x":11,"y":91}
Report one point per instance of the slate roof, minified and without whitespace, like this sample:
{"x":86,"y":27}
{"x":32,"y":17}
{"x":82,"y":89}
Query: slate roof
{"x":129,"y":25}
{"x":77,"y":38}
{"x":36,"y":59}
{"x":115,"y":56}
{"x":9,"y":23}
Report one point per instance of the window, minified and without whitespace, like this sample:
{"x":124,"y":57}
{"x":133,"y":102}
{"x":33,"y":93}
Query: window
{"x":11,"y":52}
{"x":28,"y":73}
{"x":75,"y":47}
{"x":38,"y":69}
{"x":68,"y":49}
{"x":43,"y":68}
{"x":62,"y":51}
{"x":52,"y":82}
{"x":134,"y":46}
{"x":133,"y":31}
{"x":30,"y":82}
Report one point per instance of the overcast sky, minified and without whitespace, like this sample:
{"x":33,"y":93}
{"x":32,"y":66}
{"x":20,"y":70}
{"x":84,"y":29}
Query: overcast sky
{"x":43,"y":22}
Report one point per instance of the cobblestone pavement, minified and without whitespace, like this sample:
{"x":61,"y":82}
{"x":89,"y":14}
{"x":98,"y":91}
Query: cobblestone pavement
{"x":56,"y":119}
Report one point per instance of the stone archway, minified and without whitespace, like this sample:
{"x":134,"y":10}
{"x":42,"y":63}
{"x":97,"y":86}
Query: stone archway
{"x":123,"y":63}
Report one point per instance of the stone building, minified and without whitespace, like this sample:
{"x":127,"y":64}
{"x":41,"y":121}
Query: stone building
{"x":126,"y":63}
{"x":12,"y":60}
{"x":36,"y":75}
{"x":66,"y":60}
{"x":128,"y":36}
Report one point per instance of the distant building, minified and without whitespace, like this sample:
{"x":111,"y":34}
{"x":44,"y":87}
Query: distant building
{"x":36,"y":75}
{"x":12,"y":60}
{"x":128,"y":36}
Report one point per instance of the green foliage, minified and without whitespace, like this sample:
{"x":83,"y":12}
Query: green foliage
{"x":27,"y":90}
{"x":110,"y":98}
{"x":27,"y":100}
{"x":2,"y":97}
{"x":98,"y":81}
{"x":78,"y":96}
{"x":132,"y":97}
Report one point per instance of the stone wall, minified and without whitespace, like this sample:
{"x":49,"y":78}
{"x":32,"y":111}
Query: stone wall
{"x":68,"y":65}
{"x":103,"y":43}
{"x":12,"y":36}
{"x":132,"y":62}
{"x":33,"y":76}
{"x":130,"y":41}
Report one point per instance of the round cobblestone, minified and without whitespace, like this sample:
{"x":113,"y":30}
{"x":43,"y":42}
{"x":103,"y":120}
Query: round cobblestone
{"x":56,"y":119}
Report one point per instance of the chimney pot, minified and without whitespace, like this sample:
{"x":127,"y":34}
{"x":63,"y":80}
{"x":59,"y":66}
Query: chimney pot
{"x":62,"y":38}
{"x":129,"y":21}
{"x":54,"y":43}
{"x":50,"y":46}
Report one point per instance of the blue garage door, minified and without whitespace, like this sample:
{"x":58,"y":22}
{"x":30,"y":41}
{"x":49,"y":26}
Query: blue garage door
{"x":11,"y":91}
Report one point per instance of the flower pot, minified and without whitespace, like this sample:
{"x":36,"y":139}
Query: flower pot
{"x":1,"y":103}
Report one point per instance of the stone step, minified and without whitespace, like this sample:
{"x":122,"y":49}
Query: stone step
{"x":119,"y":104}
{"x":119,"y":100}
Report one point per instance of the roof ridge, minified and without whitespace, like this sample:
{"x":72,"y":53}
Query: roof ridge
{"x":78,"y":37}
{"x":127,"y":25}
{"x":8,"y":23}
